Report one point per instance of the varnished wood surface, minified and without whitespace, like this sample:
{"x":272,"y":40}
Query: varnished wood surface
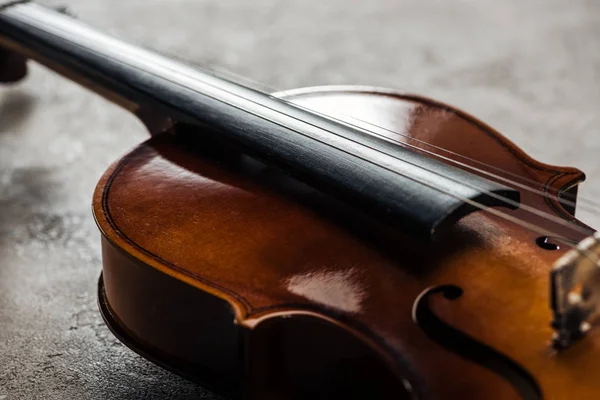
{"x":271,"y":247}
{"x":527,"y":68}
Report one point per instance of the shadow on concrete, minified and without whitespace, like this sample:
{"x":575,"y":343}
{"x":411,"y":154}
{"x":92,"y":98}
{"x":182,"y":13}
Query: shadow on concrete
{"x":15,"y":107}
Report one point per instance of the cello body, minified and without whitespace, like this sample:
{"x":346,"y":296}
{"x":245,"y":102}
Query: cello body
{"x":234,"y":274}
{"x":287,"y":246}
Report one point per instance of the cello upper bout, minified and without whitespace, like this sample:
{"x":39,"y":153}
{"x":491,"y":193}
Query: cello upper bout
{"x":444,"y":132}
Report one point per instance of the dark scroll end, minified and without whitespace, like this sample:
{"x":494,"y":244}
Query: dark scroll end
{"x":13,"y":66}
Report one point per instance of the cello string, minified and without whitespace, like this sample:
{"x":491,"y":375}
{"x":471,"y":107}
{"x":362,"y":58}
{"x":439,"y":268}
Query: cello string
{"x":592,"y":206}
{"x":566,"y":224}
{"x":529,"y":209}
{"x":506,"y":200}
{"x":151,"y":63}
{"x":253,"y":85}
{"x":149,"y":57}
{"x":448,"y":159}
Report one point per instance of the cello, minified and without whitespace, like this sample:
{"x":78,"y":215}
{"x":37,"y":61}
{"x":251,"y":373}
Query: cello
{"x":333,"y":241}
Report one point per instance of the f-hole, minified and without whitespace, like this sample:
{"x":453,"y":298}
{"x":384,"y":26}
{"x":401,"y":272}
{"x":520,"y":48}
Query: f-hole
{"x":467,"y":347}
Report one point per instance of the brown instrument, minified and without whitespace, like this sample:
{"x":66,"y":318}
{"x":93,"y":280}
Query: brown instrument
{"x":255,"y":243}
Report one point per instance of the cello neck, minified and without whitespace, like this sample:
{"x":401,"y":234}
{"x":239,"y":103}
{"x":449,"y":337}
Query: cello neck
{"x":415,"y":193}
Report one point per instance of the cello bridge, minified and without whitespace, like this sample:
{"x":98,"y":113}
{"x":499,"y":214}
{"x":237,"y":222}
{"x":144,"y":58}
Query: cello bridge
{"x":575,"y":292}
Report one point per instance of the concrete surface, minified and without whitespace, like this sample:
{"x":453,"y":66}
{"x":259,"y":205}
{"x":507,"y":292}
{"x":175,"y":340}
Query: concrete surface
{"x":530,"y":68}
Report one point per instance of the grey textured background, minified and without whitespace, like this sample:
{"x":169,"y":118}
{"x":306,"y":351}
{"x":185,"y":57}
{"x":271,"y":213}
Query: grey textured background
{"x":530,"y":68}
